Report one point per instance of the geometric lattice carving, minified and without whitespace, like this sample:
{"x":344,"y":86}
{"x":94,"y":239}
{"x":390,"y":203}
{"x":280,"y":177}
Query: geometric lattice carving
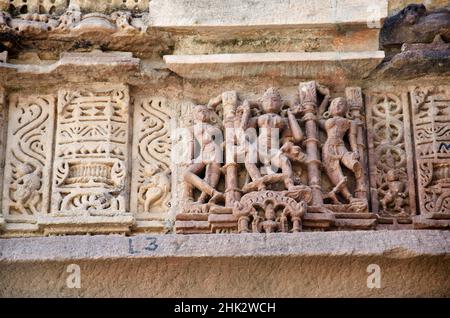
{"x":91,"y":152}
{"x":151,"y":174}
{"x":28,"y":159}
{"x":391,"y":159}
{"x":431,"y":114}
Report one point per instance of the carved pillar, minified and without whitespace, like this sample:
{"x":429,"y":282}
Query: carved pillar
{"x":151,"y":170}
{"x":391,"y":158}
{"x":308,"y":99}
{"x":90,"y":174}
{"x":231,"y":175}
{"x":431,"y":122}
{"x":28,"y":161}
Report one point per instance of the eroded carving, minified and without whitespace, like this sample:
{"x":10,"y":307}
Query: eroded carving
{"x":29,"y":155}
{"x":71,"y":22}
{"x":390,"y":155}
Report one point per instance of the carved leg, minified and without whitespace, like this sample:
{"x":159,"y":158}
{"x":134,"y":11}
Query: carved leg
{"x":191,"y":179}
{"x":286,"y":168}
{"x":254,"y":173}
{"x":152,"y":196}
{"x":212,"y":177}
{"x":337,"y":178}
{"x":352,"y":163}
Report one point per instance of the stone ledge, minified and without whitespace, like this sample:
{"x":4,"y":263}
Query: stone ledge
{"x":390,"y":244}
{"x":291,"y":64}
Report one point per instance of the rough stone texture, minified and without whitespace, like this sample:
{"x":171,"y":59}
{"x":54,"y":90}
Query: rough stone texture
{"x":413,"y":264}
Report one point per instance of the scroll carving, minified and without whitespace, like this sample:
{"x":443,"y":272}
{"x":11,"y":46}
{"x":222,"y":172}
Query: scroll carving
{"x":29,"y":156}
{"x":151,"y":174}
{"x":392,"y":181}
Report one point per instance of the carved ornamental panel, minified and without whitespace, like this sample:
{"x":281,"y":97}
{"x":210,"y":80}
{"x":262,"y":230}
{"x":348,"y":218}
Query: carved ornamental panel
{"x":390,"y":155}
{"x":431,"y":119}
{"x":151,"y":171}
{"x":28,"y":160}
{"x":91,"y":151}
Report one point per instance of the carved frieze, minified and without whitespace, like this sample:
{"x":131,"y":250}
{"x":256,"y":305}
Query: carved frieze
{"x":28,"y":160}
{"x":256,"y":164}
{"x":390,"y":155}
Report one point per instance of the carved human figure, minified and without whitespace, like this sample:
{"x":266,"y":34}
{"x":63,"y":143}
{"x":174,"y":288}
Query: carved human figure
{"x":25,"y":195}
{"x":395,"y":194}
{"x":204,"y":131}
{"x":335,"y":152}
{"x":154,"y":191}
{"x":269,"y":124}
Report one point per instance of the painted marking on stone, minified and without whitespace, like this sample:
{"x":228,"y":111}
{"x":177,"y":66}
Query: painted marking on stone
{"x":150,"y":245}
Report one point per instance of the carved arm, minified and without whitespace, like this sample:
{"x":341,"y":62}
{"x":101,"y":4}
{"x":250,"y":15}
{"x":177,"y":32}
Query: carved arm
{"x":296,"y":130}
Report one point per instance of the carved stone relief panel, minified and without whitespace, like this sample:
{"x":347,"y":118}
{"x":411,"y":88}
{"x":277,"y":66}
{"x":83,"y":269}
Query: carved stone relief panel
{"x":90,"y":172}
{"x":28,"y":160}
{"x":151,"y":170}
{"x":431,"y":119}
{"x":278,"y":167}
{"x":390,"y":155}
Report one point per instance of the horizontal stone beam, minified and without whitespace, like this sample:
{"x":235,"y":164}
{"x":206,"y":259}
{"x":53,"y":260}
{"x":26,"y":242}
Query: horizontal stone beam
{"x":306,"y":65}
{"x":242,"y":13}
{"x":391,"y":244}
{"x":74,"y":67}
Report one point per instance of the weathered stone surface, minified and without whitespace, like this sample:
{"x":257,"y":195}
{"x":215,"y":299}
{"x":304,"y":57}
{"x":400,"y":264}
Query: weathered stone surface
{"x":207,"y":13}
{"x":230,"y":277}
{"x":414,"y":24}
{"x":93,"y":66}
{"x":416,"y":60}
{"x":412,"y":263}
